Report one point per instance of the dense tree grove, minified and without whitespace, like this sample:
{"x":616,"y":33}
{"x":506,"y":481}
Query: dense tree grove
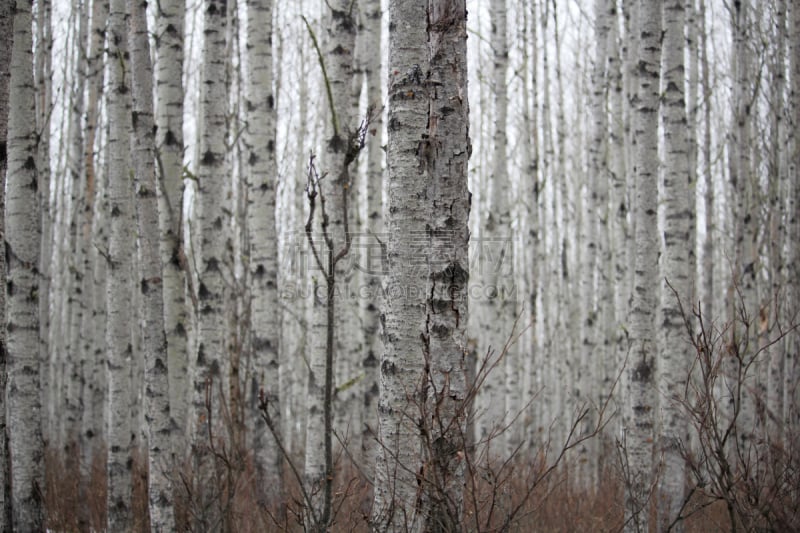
{"x":399,"y":265}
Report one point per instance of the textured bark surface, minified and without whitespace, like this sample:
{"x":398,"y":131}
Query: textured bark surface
{"x":743,"y":290}
{"x":209,"y":372}
{"x":443,"y":155}
{"x":372,"y":259}
{"x":262,"y":176}
{"x":6,"y":28}
{"x":641,"y":365}
{"x":336,"y":188}
{"x":398,"y":454}
{"x":22,"y":249}
{"x":791,"y":392}
{"x":497,"y":303}
{"x":119,"y":342}
{"x":159,"y":423}
{"x":169,"y":155}
{"x":673,"y":352}
{"x":93,"y":425}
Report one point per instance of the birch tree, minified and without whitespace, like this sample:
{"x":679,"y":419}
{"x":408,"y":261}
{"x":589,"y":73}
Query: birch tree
{"x":94,"y":320}
{"x":119,"y":344}
{"x":169,"y":155}
{"x":6,"y":27}
{"x":444,"y":154}
{"x":154,"y":343}
{"x":22,"y":241}
{"x":404,"y":312}
{"x":641,"y":364}
{"x":791,"y":395}
{"x":263,"y":253}
{"x":497,"y":306}
{"x":332,"y":242}
{"x":371,"y":45}
{"x":209,"y":372}
{"x":674,"y":357}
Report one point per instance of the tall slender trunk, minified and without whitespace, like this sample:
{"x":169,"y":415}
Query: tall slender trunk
{"x":43,"y":72}
{"x":169,"y":156}
{"x":263,"y":254}
{"x":6,"y":27}
{"x":327,"y":345}
{"x":707,"y":309}
{"x":94,"y":319}
{"x":398,"y":454}
{"x":747,"y":263}
{"x":154,"y":343}
{"x":499,"y":392}
{"x":444,"y":155}
{"x":209,"y":374}
{"x":119,"y":342}
{"x":75,"y":244}
{"x":674,"y":356}
{"x":641,"y":364}
{"x":791,"y":392}
{"x":374,"y":262}
{"x":22,"y":242}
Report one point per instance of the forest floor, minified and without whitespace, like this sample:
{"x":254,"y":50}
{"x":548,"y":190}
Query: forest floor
{"x":555,"y":505}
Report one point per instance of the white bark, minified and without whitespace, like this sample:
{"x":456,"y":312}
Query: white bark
{"x":641,"y":364}
{"x":209,"y":372}
{"x":778,"y":237}
{"x":154,"y":343}
{"x":338,"y":47}
{"x":791,"y":393}
{"x":673,"y":348}
{"x":42,"y":78}
{"x":373,"y":262}
{"x":6,"y":27}
{"x":398,"y":455}
{"x":22,"y":249}
{"x":119,"y":350}
{"x":496,"y":286}
{"x":75,"y":245}
{"x":443,"y":156}
{"x":94,"y":319}
{"x":261,"y":175}
{"x":169,"y":154}
{"x":747,"y":264}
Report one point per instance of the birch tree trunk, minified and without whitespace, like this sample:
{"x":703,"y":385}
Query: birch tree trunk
{"x":6,"y":28}
{"x":169,"y":155}
{"x":94,"y":319}
{"x":444,"y":155}
{"x":263,"y":253}
{"x":47,"y":313}
{"x":747,"y":265}
{"x":154,"y":343}
{"x":496,"y":262}
{"x":75,"y":244}
{"x":209,"y":373}
{"x":791,"y":393}
{"x":674,"y":356}
{"x":641,"y":364}
{"x":336,"y":188}
{"x":620,"y":204}
{"x":374,"y":261}
{"x":398,"y":455}
{"x":593,"y":238}
{"x":707,"y":309}
{"x":778,"y":188}
{"x":119,"y":342}
{"x":22,"y":242}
